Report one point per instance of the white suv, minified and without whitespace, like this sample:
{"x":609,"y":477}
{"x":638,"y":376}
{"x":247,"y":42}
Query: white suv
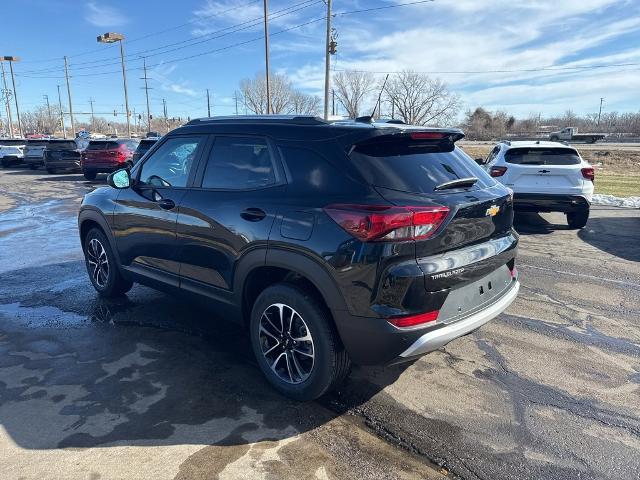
{"x":545,"y":177}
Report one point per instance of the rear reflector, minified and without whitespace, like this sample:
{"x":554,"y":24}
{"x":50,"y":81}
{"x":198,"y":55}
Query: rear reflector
{"x":413,"y":320}
{"x":497,"y":171}
{"x":514,"y":272}
{"x":589,"y":173}
{"x":427,"y":135}
{"x":387,"y":223}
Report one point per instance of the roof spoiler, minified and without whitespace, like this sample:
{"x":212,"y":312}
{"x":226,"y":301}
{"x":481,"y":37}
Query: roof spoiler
{"x":408,"y":140}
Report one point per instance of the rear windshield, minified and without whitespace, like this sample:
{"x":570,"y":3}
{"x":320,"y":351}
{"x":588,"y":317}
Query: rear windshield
{"x":542,"y":156}
{"x":62,"y":145}
{"x":37,"y":143}
{"x":418,"y":172}
{"x":6,"y":142}
{"x":103,"y":145}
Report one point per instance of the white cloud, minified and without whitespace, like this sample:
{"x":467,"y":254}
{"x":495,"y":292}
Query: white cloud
{"x":104,"y":16}
{"x":162,"y":74}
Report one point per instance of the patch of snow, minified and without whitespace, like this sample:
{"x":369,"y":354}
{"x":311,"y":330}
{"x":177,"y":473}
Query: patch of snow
{"x":627,"y":202}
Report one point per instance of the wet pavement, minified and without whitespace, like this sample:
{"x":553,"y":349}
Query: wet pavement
{"x":151,"y":386}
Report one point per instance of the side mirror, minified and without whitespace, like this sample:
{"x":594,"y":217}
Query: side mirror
{"x":119,"y":179}
{"x":479,"y":161}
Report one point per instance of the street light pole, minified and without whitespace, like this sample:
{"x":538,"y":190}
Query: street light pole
{"x":6,"y":97}
{"x":266,"y":53}
{"x":12,"y":59}
{"x":111,"y":37}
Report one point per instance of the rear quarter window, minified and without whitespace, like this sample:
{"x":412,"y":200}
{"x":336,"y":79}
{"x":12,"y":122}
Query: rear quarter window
{"x":419,"y":172}
{"x":542,"y":156}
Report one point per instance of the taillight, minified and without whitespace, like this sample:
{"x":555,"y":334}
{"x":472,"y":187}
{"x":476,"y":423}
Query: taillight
{"x":387,"y":223}
{"x":427,"y":135}
{"x":497,"y":171}
{"x":589,"y":173}
{"x":414,"y":320}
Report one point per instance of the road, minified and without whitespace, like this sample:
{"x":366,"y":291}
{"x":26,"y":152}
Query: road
{"x":150,"y":386}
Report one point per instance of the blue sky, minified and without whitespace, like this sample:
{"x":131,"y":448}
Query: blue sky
{"x":443,"y":38}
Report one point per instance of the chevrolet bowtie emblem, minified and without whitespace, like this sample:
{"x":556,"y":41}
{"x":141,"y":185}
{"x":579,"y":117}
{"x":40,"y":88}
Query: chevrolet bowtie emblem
{"x":492,"y":211}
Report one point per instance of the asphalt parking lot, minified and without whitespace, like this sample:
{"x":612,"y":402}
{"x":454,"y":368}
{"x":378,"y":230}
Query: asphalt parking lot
{"x":150,"y":386}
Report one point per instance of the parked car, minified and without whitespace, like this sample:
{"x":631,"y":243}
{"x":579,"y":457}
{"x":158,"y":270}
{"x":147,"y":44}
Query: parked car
{"x":331,"y":243}
{"x":143,"y":147}
{"x":106,"y":156}
{"x":545,"y":177}
{"x":34,"y":152}
{"x":11,"y":151}
{"x":62,"y":155}
{"x":571,"y":134}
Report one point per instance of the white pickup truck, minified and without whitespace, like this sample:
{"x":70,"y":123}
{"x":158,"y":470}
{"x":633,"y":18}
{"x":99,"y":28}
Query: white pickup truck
{"x":571,"y":134}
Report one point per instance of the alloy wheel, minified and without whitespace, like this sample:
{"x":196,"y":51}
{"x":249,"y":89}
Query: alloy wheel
{"x":286,"y":343}
{"x":98,"y":263}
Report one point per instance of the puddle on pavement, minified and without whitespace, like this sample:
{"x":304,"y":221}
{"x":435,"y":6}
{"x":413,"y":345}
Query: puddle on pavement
{"x":38,"y":233}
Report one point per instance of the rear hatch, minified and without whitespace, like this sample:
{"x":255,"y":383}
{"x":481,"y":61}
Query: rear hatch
{"x":552,"y":170}
{"x":35,"y":148}
{"x":61,"y":149}
{"x":475,"y":238}
{"x":102,"y":152}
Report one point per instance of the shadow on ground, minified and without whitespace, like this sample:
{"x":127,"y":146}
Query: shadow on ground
{"x":146,"y":369}
{"x":617,"y":235}
{"x":527,"y":223}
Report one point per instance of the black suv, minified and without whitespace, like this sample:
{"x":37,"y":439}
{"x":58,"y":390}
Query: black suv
{"x":331,"y":243}
{"x":62,"y":155}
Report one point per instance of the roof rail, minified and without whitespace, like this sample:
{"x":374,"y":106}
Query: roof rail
{"x":288,"y":119}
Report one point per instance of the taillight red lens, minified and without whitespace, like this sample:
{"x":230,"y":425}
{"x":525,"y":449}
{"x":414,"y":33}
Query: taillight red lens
{"x":497,"y":171}
{"x":387,"y":223}
{"x":413,"y":320}
{"x":589,"y":173}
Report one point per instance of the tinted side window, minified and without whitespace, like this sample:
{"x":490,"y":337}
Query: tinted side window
{"x":169,"y":166}
{"x":238,"y":163}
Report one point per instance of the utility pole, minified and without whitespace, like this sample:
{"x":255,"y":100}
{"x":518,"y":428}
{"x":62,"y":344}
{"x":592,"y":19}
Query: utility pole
{"x":66,"y":74}
{"x":12,"y":59}
{"x":600,"y":111}
{"x":333,"y":102}
{"x":46,"y":98}
{"x":166,"y":121}
{"x":327,"y":63}
{"x":64,"y":130}
{"x":266,"y":53}
{"x":235,"y":94}
{"x":146,"y":91}
{"x":6,"y":92}
{"x":208,"y":105}
{"x":91,"y":100}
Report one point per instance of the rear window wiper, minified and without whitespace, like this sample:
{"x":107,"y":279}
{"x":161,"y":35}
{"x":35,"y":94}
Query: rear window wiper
{"x":460,"y":182}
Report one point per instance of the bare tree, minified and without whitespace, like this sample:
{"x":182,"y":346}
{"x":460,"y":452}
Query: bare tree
{"x":421,"y":100}
{"x":254,"y":91}
{"x":352,"y":88}
{"x":304,"y":104}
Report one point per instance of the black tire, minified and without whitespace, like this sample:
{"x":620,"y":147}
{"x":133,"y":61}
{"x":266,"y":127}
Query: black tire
{"x":89,"y":175}
{"x":108,"y":281}
{"x":577,"y":220}
{"x":330,"y":364}
{"x":33,"y":166}
{"x":51,"y":170}
{"x":5,"y":163}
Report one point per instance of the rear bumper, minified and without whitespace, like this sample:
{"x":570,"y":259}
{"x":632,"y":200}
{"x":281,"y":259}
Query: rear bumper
{"x":434,"y":340}
{"x":101,"y":168}
{"x":34,"y":160}
{"x":374,"y":341}
{"x":541,"y":202}
{"x":63,"y":163}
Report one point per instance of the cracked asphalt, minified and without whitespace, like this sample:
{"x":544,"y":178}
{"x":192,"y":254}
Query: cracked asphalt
{"x":151,"y":386}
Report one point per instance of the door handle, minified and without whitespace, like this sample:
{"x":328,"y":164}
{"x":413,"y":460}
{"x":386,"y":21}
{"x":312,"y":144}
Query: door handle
{"x":166,"y":204}
{"x":253,"y":214}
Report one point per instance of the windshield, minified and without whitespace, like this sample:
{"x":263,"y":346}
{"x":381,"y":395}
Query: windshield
{"x":542,"y":156}
{"x":418,"y":172}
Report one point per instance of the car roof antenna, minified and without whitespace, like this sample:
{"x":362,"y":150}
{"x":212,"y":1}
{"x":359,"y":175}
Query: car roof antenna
{"x":384,"y":84}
